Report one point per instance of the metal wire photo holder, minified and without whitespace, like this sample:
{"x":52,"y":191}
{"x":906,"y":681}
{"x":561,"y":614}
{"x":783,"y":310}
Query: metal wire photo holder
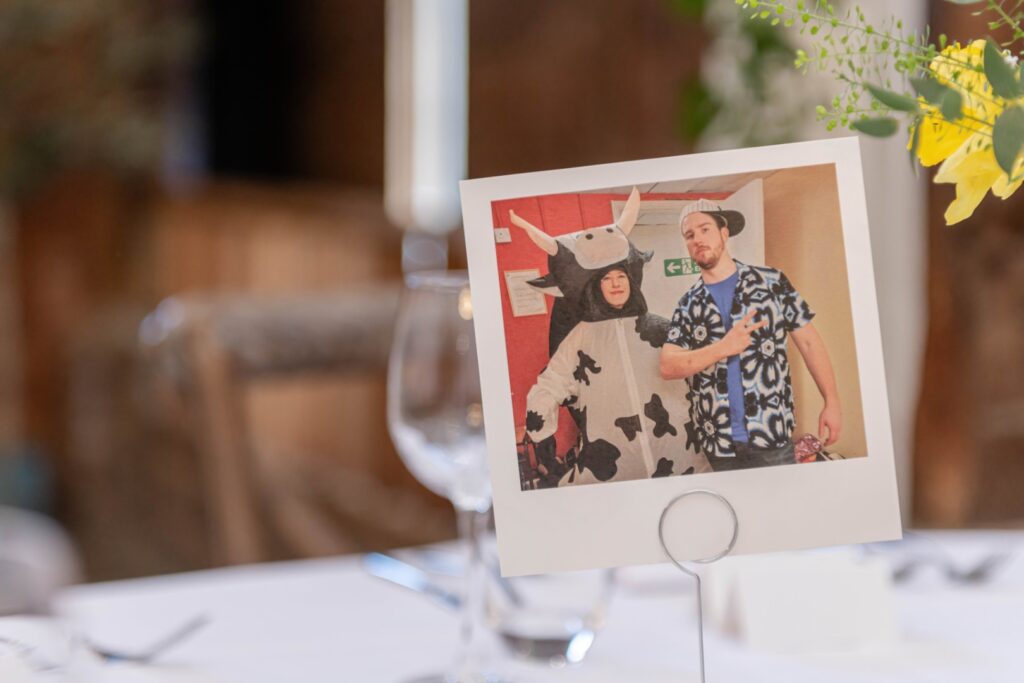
{"x":707,"y":560}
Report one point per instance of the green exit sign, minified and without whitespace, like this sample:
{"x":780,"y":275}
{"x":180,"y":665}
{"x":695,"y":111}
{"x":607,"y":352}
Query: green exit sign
{"x":680,"y":266}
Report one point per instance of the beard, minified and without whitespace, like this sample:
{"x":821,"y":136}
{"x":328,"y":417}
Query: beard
{"x":708,"y":258}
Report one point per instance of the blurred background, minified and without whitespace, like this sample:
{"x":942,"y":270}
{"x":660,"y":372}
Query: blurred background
{"x":198,"y":274}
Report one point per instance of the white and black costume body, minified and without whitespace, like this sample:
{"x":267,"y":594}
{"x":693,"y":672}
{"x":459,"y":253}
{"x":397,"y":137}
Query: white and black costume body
{"x":605,"y":369}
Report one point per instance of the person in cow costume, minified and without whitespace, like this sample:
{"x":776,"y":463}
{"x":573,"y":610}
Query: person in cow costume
{"x":604,"y":362}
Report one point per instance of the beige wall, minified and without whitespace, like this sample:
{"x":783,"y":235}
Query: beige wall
{"x":803,"y":238}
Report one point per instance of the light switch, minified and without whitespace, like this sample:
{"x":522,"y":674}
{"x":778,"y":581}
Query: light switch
{"x":502,"y":236}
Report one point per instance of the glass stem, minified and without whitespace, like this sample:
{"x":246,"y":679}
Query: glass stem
{"x":473,"y":657}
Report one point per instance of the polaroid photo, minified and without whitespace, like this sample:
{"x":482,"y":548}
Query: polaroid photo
{"x":702,"y":322}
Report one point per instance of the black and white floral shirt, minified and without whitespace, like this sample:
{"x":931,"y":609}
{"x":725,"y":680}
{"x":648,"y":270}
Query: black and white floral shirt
{"x":764,"y":366}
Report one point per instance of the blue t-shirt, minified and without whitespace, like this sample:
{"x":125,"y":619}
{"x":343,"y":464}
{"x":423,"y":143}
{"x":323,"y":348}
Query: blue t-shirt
{"x":723,"y":293}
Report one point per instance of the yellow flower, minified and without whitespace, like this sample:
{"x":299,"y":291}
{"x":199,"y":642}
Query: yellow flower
{"x":974,"y":170}
{"x":964,"y":146}
{"x":938,"y":138}
{"x":961,"y":69}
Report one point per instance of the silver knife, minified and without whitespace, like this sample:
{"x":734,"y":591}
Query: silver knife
{"x":404,"y":574}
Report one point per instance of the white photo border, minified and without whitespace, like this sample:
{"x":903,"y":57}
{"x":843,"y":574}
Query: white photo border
{"x":779,"y":508}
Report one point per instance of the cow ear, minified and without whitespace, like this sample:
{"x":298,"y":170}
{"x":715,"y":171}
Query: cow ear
{"x":550,"y":291}
{"x":630,"y":212}
{"x":545,"y":285}
{"x":539,"y":237}
{"x":646,"y":256}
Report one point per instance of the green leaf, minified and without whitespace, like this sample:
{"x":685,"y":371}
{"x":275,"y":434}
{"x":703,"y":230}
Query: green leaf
{"x":893,"y":100}
{"x":881,"y":127}
{"x":951,"y":105}
{"x":999,"y":73}
{"x":930,"y":89}
{"x":1008,"y":138}
{"x":915,"y":139}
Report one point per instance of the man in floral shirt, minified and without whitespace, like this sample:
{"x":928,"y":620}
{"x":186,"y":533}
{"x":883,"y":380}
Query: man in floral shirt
{"x":736,"y":365}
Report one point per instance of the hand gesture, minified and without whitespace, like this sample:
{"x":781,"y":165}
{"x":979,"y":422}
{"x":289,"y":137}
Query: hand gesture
{"x":831,"y":418}
{"x":737,"y":339}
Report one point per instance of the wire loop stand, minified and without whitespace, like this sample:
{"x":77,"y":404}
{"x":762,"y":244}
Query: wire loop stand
{"x":696,"y":577}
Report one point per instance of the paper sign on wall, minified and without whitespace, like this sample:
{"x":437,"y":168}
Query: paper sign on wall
{"x":525,"y":300}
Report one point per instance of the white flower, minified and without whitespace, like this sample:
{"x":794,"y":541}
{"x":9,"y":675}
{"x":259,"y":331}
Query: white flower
{"x":1010,"y":59}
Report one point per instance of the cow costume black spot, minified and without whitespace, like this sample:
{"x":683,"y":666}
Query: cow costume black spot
{"x":655,"y":410}
{"x":630,"y":426}
{"x":597,"y":456}
{"x":664,"y":468}
{"x":604,"y":348}
{"x":586,"y":363}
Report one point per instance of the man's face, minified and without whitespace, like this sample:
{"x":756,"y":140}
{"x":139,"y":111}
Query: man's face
{"x":615,"y":288}
{"x":704,"y":239}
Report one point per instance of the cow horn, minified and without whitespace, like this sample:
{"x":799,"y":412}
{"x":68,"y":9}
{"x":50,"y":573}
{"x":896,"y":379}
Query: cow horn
{"x":539,"y":237}
{"x":630,"y":212}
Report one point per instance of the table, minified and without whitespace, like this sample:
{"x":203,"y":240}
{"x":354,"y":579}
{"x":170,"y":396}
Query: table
{"x":326,"y":620}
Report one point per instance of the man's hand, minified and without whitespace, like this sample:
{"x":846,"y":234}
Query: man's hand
{"x":831,"y":418}
{"x":737,"y":339}
{"x":677,"y":363}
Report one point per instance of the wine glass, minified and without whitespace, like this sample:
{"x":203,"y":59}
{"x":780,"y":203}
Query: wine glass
{"x":435,"y":418}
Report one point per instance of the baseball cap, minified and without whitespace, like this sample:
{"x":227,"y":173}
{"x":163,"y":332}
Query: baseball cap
{"x":733,"y":219}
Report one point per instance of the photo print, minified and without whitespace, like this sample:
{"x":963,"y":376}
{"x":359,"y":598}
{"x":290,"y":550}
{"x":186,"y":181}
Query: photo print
{"x":664,"y":324}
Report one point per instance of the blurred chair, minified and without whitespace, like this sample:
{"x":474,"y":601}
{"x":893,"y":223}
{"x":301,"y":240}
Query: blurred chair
{"x":263,"y":501}
{"x":250,"y":424}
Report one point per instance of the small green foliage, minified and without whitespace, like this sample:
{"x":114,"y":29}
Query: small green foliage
{"x":1000,"y":74}
{"x":929,"y":88}
{"x":951,"y":106}
{"x":879,"y":127}
{"x":915,"y":139}
{"x":1008,"y":138}
{"x":863,"y":57}
{"x":892,"y":100}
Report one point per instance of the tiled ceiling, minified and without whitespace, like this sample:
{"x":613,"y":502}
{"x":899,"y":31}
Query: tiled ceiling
{"x":723,"y":183}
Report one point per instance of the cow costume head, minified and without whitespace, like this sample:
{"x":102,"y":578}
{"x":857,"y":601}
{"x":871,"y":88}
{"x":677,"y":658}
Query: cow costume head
{"x":575,"y":258}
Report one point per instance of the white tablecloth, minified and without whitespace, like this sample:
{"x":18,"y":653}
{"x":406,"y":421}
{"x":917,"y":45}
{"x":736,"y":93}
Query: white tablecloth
{"x":326,"y":620}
